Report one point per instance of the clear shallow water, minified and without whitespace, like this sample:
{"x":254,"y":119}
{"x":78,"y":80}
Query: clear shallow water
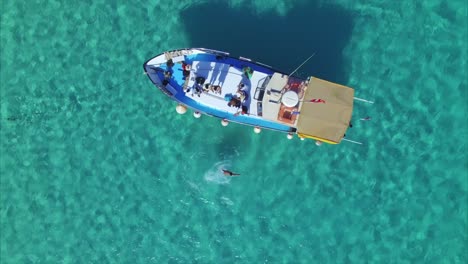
{"x":97,"y":167}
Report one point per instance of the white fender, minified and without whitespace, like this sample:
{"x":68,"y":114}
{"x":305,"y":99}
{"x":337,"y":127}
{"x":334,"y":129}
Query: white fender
{"x":181,"y":109}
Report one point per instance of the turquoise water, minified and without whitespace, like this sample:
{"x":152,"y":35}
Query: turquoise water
{"x":96,"y":166}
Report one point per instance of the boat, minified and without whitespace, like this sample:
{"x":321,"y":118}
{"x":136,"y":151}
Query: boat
{"x":240,"y":90}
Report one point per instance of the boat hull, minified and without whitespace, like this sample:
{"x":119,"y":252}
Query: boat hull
{"x":243,"y":91}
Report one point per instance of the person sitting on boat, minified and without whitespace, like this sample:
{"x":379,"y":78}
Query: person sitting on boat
{"x":241,"y":92}
{"x":168,"y":74}
{"x":234,"y":102}
{"x":243,"y":111}
{"x":167,"y":77}
{"x":212,"y":88}
{"x":228,"y":97}
{"x":198,"y":89}
{"x":242,"y":95}
{"x":216,"y":89}
{"x":169,"y":63}
{"x":197,"y":86}
{"x":200,"y":80}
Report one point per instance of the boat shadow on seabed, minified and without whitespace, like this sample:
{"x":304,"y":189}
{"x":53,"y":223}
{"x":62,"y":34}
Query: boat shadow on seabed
{"x":306,"y":28}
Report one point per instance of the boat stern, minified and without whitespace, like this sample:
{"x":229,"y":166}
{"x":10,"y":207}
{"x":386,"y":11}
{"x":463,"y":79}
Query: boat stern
{"x":325,"y":113}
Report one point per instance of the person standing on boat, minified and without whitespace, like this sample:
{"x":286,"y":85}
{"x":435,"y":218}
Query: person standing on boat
{"x":248,"y":71}
{"x":185,"y":70}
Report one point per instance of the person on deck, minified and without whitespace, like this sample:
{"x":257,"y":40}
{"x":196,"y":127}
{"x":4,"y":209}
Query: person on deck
{"x":234,"y":102}
{"x":185,"y":70}
{"x":247,"y":71}
{"x":243,"y":111}
{"x":212,"y":88}
{"x":241,"y":92}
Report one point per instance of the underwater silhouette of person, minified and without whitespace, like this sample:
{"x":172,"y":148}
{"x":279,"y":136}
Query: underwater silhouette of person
{"x":229,"y":173}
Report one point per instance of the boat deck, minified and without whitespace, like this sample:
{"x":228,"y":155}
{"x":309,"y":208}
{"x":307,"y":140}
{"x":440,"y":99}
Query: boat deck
{"x":205,"y":70}
{"x":228,"y":78}
{"x":209,"y":82}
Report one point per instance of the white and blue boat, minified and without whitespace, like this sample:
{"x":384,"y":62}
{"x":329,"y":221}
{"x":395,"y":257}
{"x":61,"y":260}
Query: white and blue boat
{"x":240,"y":90}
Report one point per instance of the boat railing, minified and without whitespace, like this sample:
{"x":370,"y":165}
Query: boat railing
{"x":256,"y":62}
{"x":260,"y":90}
{"x":263,"y":64}
{"x":177,"y":53}
{"x":214,"y":51}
